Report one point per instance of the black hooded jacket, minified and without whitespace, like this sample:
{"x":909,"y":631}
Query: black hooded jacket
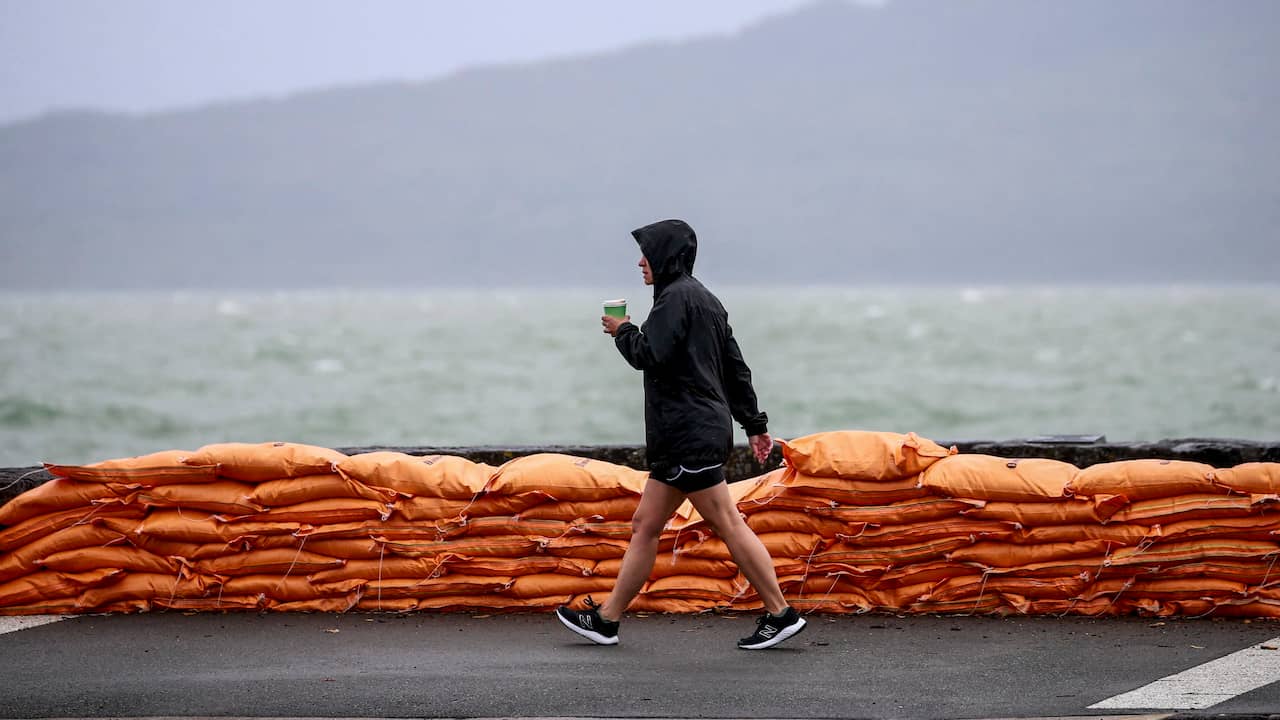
{"x":695,"y":380}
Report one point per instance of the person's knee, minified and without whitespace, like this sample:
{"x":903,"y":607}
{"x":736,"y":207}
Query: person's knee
{"x":644,"y":527}
{"x":726,"y":524}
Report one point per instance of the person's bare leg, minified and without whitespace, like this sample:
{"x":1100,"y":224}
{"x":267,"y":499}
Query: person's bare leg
{"x":748,"y":552}
{"x":657,"y":504}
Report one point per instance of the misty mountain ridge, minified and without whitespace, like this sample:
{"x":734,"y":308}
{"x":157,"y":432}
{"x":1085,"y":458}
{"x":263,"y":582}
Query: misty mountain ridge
{"x":994,"y":141}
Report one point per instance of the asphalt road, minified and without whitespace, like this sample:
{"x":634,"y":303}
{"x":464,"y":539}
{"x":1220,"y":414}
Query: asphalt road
{"x":364,"y":665}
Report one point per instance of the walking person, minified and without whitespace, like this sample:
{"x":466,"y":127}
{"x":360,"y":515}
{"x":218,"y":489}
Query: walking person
{"x":695,"y":385}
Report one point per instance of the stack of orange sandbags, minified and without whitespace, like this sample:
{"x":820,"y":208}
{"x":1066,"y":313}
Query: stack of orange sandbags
{"x":285,"y":526}
{"x":862,"y":521}
{"x":845,"y":510}
{"x":855,"y":521}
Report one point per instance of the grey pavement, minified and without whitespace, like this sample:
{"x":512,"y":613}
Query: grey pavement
{"x":466,"y":665}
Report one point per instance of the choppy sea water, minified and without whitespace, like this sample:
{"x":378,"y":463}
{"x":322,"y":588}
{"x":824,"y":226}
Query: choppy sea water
{"x":85,"y":377}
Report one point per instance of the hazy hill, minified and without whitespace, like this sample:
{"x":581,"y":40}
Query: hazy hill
{"x":977,"y":141}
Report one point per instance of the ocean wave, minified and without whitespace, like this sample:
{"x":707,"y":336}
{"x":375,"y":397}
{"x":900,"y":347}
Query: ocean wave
{"x":22,"y":412}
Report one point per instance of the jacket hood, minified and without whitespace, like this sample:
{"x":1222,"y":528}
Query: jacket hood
{"x":670,"y":246}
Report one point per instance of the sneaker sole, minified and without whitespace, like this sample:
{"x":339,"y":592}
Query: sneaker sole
{"x":788,"y":632}
{"x":591,"y":635}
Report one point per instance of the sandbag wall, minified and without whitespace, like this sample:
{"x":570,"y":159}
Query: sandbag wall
{"x":856,"y":521}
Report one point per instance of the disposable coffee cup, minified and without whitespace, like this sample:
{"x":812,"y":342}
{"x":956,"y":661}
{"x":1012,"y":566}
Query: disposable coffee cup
{"x":616,"y":308}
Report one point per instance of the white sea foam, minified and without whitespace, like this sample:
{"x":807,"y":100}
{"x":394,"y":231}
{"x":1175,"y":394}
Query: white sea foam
{"x":327,"y":366}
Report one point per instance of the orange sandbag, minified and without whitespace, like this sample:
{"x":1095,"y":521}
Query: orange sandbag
{"x":121,"y":557}
{"x":390,"y":529}
{"x":514,"y":525}
{"x":567,"y":478}
{"x":904,"y":511}
{"x":1250,"y":572}
{"x":862,"y":455}
{"x":489,"y":603}
{"x":225,"y":497}
{"x":1085,"y":568}
{"x":694,"y":587}
{"x":920,"y":573}
{"x":444,"y":585}
{"x":387,"y":567}
{"x":1186,"y":507}
{"x":291,"y":491}
{"x":1117,"y":533}
{"x":427,"y":508}
{"x":1255,"y":478}
{"x":482,"y":546}
{"x":325,"y":512}
{"x":190,"y":551}
{"x":256,"y":462}
{"x":200,"y":528}
{"x":1170,"y":589}
{"x":56,"y":606}
{"x":1070,"y":511}
{"x":1145,"y":479}
{"x":616,"y":529}
{"x":587,"y":546}
{"x":673,"y":564}
{"x":886,"y":556}
{"x":375,"y":604}
{"x":146,"y":587}
{"x":32,"y":529}
{"x":1259,"y":608}
{"x":281,"y":561}
{"x":990,"y":604}
{"x":896,"y":599}
{"x":1098,"y":607}
{"x":793,"y":521}
{"x":851,"y":492}
{"x":544,"y":584}
{"x":161,"y":468}
{"x":645,"y":604}
{"x":998,"y":554}
{"x":517,"y":566}
{"x":356,"y":548}
{"x":1174,"y":553}
{"x":619,"y":508}
{"x":919,"y":532}
{"x":23,"y":559}
{"x":435,"y":476}
{"x":986,"y":477}
{"x":56,"y":495}
{"x":50,"y":584}
{"x":779,"y":544}
{"x":325,"y":605}
{"x":973,"y":586}
{"x":291,"y":588}
{"x":1254,"y":527}
{"x":834,"y":604}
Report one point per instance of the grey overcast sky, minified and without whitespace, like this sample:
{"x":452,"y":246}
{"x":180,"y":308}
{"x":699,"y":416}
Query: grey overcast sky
{"x":148,"y":55}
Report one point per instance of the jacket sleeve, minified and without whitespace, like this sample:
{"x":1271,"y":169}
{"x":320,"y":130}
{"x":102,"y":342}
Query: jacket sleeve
{"x":742,"y":396}
{"x":665,"y":332}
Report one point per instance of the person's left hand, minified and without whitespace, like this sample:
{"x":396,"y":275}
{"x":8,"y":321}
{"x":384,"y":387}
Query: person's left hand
{"x":761,"y":446}
{"x":611,"y":324}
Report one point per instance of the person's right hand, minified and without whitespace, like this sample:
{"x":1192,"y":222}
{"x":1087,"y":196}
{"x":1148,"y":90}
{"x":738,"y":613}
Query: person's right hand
{"x":761,"y":446}
{"x":611,"y":324}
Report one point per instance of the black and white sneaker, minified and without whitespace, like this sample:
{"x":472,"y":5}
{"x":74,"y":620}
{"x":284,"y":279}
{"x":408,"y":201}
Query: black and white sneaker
{"x":589,"y":624}
{"x":771,"y":630}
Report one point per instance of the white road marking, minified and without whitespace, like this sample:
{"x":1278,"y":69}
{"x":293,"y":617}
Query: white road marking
{"x":15,"y":623}
{"x":1206,"y":685}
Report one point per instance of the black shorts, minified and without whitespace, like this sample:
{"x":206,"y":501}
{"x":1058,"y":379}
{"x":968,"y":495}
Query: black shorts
{"x":688,"y":480}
